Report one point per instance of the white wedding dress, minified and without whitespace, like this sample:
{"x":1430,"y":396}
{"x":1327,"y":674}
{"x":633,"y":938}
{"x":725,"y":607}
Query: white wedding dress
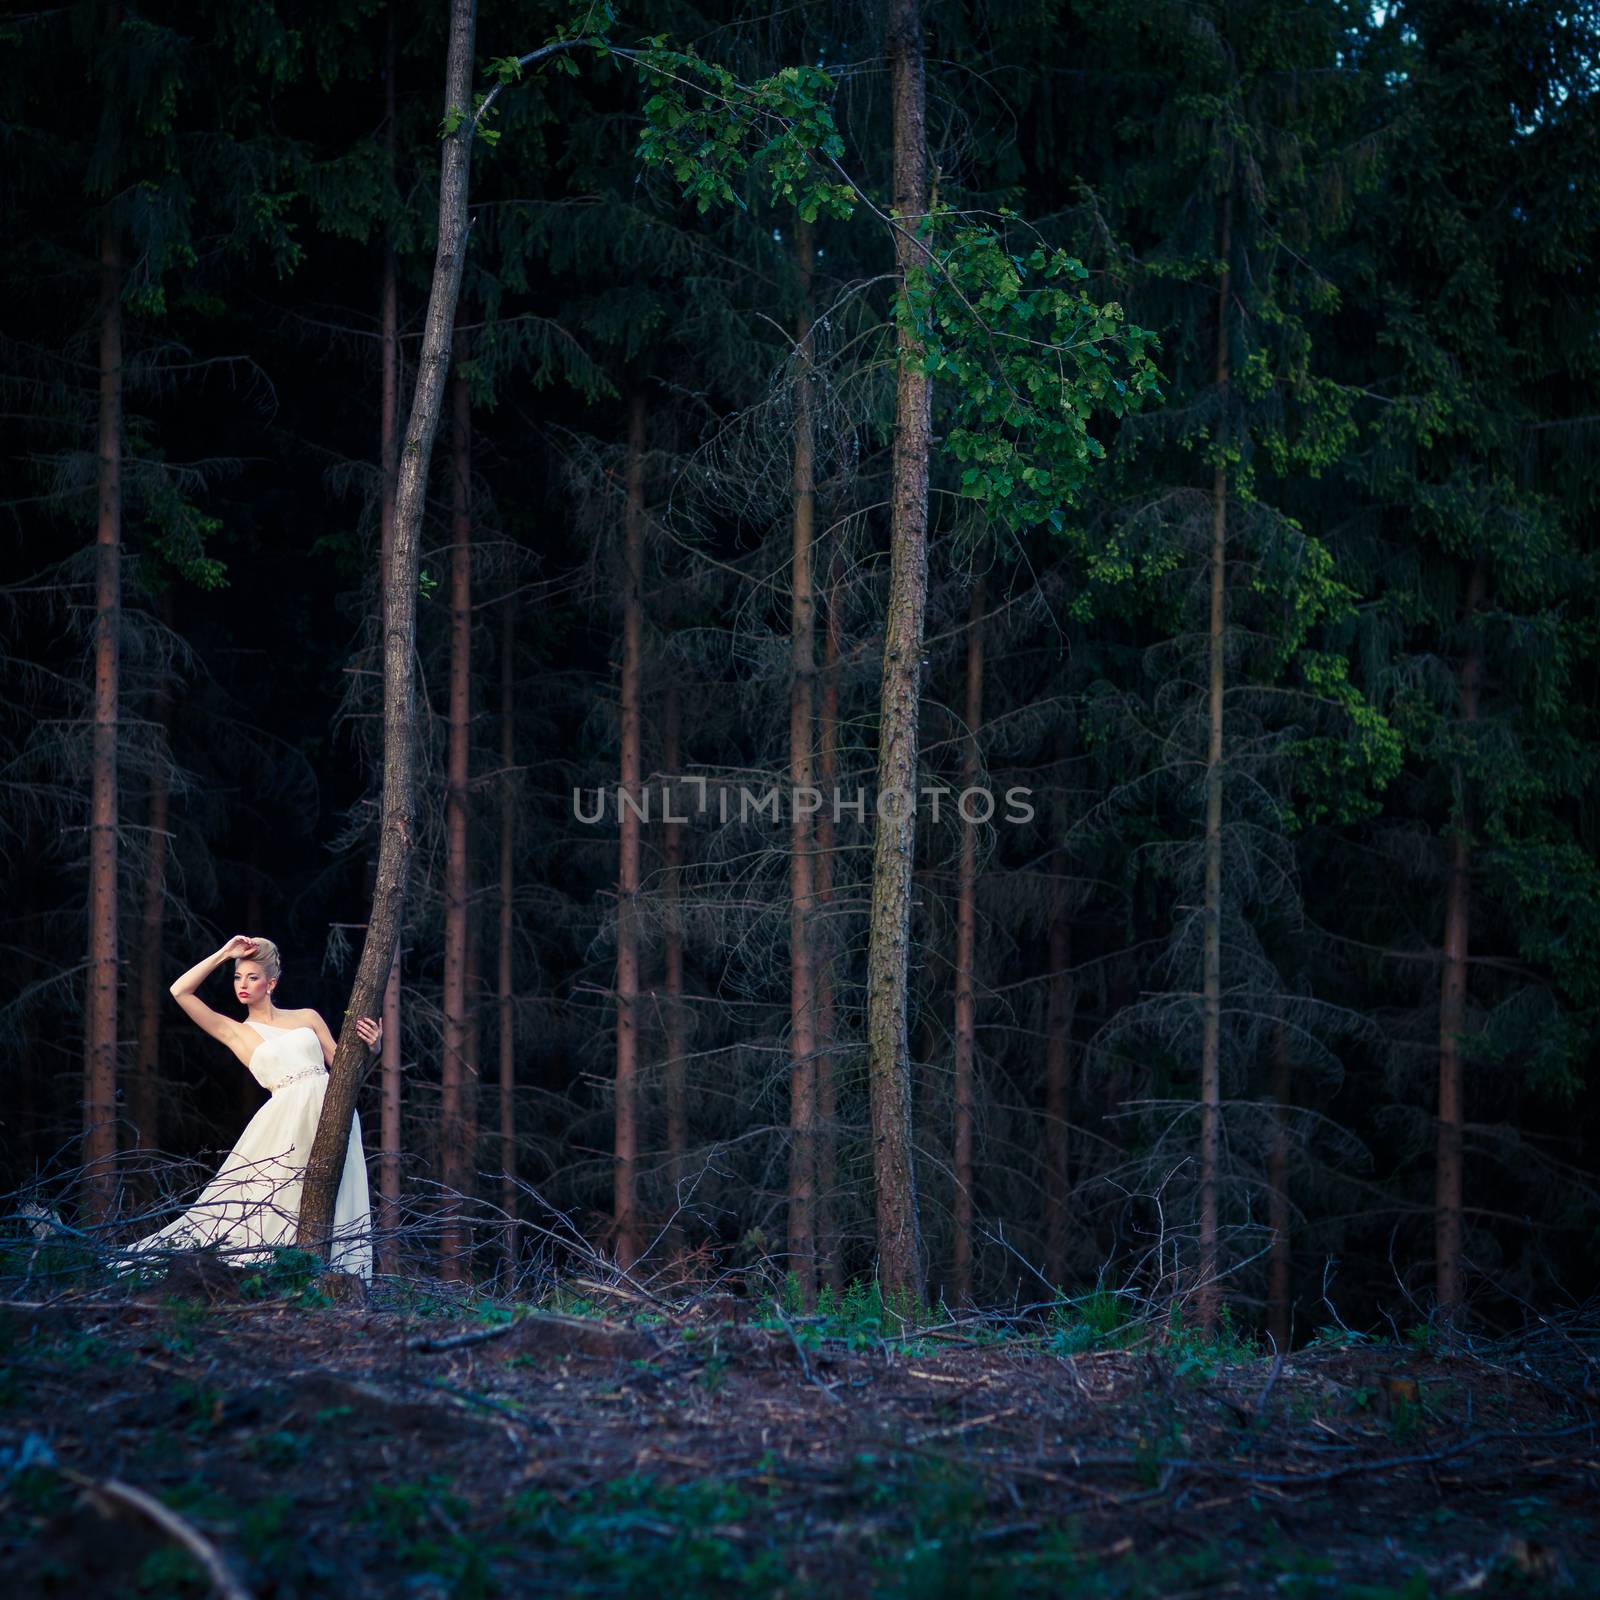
{"x":253,"y":1204}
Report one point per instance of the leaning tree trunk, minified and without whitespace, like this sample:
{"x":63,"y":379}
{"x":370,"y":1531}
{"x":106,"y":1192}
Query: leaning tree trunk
{"x":100,"y":1014}
{"x":802,"y":847}
{"x":145,"y":1101}
{"x":677,"y":1033}
{"x":455,"y":1165}
{"x":1278,"y":1194}
{"x":630,"y":805}
{"x":388,"y":1218}
{"x":396,"y":838}
{"x":506,"y":1034}
{"x":1059,"y":995}
{"x":829,"y":1255}
{"x":899,"y":1240}
{"x":966,"y":1009}
{"x":1211,"y":974}
{"x":1453,"y":994}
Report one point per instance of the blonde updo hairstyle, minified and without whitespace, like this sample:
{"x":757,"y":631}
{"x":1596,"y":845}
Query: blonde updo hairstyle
{"x":266,"y":957}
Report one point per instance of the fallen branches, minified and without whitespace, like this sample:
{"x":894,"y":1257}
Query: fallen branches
{"x":109,"y":1497}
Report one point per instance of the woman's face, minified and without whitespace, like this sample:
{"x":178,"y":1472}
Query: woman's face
{"x":251,"y":983}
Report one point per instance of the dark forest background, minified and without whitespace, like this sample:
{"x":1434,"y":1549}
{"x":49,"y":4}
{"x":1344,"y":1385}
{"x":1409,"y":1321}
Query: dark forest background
{"x":1365,"y":238}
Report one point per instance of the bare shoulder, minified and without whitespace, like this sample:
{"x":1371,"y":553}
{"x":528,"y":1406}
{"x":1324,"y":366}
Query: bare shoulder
{"x":305,"y":1017}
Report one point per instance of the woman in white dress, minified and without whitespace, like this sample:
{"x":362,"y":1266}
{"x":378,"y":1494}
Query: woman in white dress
{"x":253,"y":1203}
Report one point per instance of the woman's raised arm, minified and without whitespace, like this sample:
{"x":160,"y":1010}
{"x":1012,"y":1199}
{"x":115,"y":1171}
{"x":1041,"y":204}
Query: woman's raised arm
{"x":184,"y":990}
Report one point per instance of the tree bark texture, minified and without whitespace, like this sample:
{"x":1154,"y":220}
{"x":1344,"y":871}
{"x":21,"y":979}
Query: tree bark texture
{"x":1278,"y":1222}
{"x":1453,"y":990}
{"x":1059,"y":1000}
{"x":676,"y":1029}
{"x":145,"y":1105}
{"x":388,"y":1218}
{"x":506,"y":1036}
{"x":397,"y":817}
{"x":628,"y":1242}
{"x":1211,"y":975}
{"x":899,"y":1239}
{"x":829,"y":1255}
{"x":966,"y":1005}
{"x":802,"y":858}
{"x":456,"y":1083}
{"x":100,"y":1013}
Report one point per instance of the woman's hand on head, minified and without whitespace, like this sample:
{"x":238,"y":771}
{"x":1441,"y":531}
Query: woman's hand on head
{"x":238,"y":948}
{"x":371,"y":1031}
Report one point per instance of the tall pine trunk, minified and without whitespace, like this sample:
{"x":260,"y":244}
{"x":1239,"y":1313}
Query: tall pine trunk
{"x":1057,"y":1054}
{"x":830,"y":1257}
{"x":506,"y":1035}
{"x":966,"y":1007}
{"x":1278,"y":1194}
{"x":472,"y":1080}
{"x":146,"y":1100}
{"x":396,"y":826}
{"x":899,"y":1239}
{"x":630,"y":807}
{"x":1453,"y":990}
{"x":802,"y":859}
{"x":455,"y":1084}
{"x":677,"y":1040}
{"x":1211,"y":975}
{"x":100,"y":1014}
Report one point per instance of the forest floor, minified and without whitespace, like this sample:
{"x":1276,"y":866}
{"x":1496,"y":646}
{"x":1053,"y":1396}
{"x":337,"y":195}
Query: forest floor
{"x":241,"y":1436}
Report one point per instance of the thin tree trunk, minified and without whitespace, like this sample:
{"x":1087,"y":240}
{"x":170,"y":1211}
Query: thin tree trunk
{"x":1453,"y":993}
{"x":1278,"y":1194}
{"x":389,"y":1125}
{"x":507,"y":1015}
{"x":899,"y":1240}
{"x":677,"y":1042}
{"x":966,"y":1009}
{"x":829,"y":1253}
{"x":456,"y":1083}
{"x":1211,"y":979}
{"x":1059,"y":995}
{"x":100,"y":1033}
{"x":389,"y":318}
{"x":626,"y":1223}
{"x":472,"y":1079}
{"x":388,"y":1218}
{"x":802,"y":859}
{"x":146,"y":1102}
{"x":326,"y":1163}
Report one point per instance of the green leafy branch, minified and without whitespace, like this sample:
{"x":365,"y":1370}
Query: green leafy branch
{"x":1028,"y":358}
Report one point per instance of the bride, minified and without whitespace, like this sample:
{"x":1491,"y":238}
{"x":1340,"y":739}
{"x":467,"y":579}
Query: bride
{"x":253,"y":1203}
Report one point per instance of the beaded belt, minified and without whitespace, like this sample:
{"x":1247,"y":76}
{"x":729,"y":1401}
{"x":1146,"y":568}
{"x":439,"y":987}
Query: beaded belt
{"x":300,"y":1077}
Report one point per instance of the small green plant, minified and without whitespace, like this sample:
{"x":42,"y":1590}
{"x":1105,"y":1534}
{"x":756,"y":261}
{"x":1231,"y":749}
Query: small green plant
{"x":281,"y":1448}
{"x":184,"y":1319}
{"x":291,"y":1274}
{"x":1405,"y":1420}
{"x":1152,"y":1451}
{"x":637,"y":1535}
{"x":172,"y":1574}
{"x":1099,"y":1320}
{"x":1330,"y":1338}
{"x":857,"y":1318}
{"x":1196,"y":1357}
